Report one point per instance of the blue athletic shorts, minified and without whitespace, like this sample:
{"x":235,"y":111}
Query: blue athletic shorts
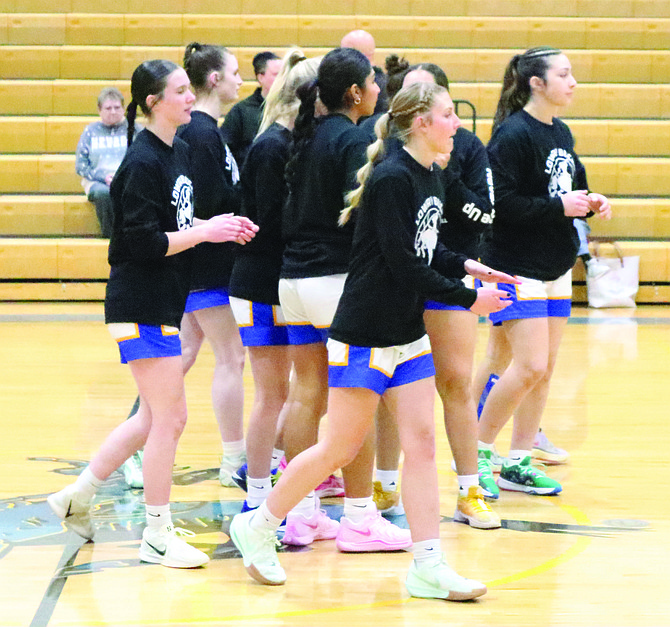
{"x":259,"y":324}
{"x":468,"y":281}
{"x":378,"y":369}
{"x":535,"y":299}
{"x":204,"y":299}
{"x":143,"y":341}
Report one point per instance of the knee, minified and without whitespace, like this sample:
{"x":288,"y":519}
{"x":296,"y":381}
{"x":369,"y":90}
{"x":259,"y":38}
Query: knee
{"x":532,"y":372}
{"x":420,"y":447}
{"x":454,"y":387}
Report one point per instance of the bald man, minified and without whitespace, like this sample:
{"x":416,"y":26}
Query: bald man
{"x":364,"y":42}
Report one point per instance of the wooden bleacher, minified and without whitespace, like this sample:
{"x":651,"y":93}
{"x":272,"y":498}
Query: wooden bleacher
{"x":56,"y":55}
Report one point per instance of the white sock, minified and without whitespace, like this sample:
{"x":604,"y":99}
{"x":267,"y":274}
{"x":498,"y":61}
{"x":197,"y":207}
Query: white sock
{"x":516,"y":456}
{"x":257,"y":490}
{"x":234,"y":449}
{"x":277,"y":455}
{"x":467,"y":481}
{"x":264,"y":519}
{"x":483,"y":446}
{"x":87,"y":484}
{"x":388,"y":479}
{"x":357,"y":509}
{"x":158,"y":515}
{"x":427,"y":552}
{"x":307,"y":506}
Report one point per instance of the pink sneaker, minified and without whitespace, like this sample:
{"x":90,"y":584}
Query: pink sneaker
{"x":374,"y":533}
{"x":333,"y":486}
{"x":301,"y":531}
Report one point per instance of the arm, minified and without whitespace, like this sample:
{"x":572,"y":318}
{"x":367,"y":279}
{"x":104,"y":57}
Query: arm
{"x":468,"y":183}
{"x":390,"y":201}
{"x":82,"y":164}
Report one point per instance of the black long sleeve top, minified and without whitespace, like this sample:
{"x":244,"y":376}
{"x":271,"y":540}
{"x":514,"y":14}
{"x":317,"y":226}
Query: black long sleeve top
{"x":397,"y":262}
{"x":255,"y":275}
{"x":314,"y":244}
{"x":216,"y":190}
{"x":152,"y":195}
{"x":533,"y":165}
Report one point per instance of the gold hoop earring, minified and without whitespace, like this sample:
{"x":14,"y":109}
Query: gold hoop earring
{"x":357,"y":101}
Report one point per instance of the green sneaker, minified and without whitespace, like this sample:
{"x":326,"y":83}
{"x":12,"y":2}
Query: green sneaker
{"x":525,"y":478}
{"x":258,"y":549}
{"x":495,"y":458}
{"x":486,"y":481}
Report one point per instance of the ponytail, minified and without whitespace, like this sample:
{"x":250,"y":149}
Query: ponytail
{"x":375,"y":153}
{"x":305,"y":125}
{"x":410,"y":102}
{"x":516,"y":91}
{"x":131,"y":114}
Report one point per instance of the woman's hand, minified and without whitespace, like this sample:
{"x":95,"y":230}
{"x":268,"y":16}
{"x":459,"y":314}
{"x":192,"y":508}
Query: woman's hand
{"x":576,"y":204}
{"x":229,"y":228}
{"x":488,"y":275}
{"x":490,"y":300}
{"x":600,"y":205}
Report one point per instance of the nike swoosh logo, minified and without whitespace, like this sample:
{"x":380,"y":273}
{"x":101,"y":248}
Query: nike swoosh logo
{"x":363,"y":533}
{"x":312,"y":525}
{"x":69,"y":509}
{"x":162,"y":553}
{"x":154,"y":515}
{"x":360,"y":506}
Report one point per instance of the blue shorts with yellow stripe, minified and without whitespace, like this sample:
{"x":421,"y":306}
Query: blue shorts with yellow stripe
{"x":535,"y":299}
{"x":143,"y":341}
{"x":259,"y":324}
{"x":378,"y":369}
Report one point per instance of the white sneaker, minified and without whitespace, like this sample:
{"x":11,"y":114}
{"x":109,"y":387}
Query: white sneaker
{"x":75,"y":511}
{"x":132,"y":470}
{"x":258,"y":549}
{"x":162,"y":546}
{"x":440,"y":581}
{"x":229,"y":466}
{"x":595,"y":269}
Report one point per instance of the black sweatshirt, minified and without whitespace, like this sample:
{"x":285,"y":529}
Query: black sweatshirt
{"x":468,"y":189}
{"x":241,"y":124}
{"x":533,"y":164}
{"x":215,"y":178}
{"x":397,"y":262}
{"x":152,"y":195}
{"x":325,"y":172}
{"x":255,"y":275}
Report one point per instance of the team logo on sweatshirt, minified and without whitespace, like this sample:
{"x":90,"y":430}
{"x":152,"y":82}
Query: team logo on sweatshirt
{"x":427,"y":228}
{"x":231,"y":166}
{"x":182,"y":199}
{"x":560,"y":166}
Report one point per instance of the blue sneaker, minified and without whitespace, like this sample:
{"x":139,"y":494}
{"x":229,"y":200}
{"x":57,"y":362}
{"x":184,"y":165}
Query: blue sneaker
{"x":240,"y":476}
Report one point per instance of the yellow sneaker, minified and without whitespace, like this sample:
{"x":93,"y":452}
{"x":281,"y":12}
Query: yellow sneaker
{"x":387,"y":502}
{"x":473,"y":510}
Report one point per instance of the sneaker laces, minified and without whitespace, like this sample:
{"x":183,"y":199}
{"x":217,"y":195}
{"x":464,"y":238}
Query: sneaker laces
{"x":478,"y":503}
{"x":183,"y":533}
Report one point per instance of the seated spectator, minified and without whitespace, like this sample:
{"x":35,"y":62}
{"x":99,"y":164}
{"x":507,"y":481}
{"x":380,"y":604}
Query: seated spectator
{"x":242,"y":121}
{"x":100,"y":151}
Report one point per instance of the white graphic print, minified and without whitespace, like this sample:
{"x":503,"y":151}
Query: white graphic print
{"x":427,"y":227}
{"x":182,"y":198}
{"x":231,"y":166}
{"x":560,"y":166}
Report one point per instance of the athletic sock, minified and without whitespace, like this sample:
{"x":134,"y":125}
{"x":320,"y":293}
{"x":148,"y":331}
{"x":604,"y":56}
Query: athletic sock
{"x":427,"y":552}
{"x":388,"y":479}
{"x":257,"y":490}
{"x":357,"y":509}
{"x":87,"y":484}
{"x":158,"y":515}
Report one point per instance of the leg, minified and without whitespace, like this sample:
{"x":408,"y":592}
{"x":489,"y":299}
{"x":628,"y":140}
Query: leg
{"x":220,"y":329}
{"x":529,"y":340}
{"x":307,"y":398}
{"x":453,"y":335}
{"x":529,"y":414}
{"x":99,"y":196}
{"x":270,"y":366}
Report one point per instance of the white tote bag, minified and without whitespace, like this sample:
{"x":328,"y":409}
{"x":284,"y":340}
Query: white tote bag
{"x":618,"y":287}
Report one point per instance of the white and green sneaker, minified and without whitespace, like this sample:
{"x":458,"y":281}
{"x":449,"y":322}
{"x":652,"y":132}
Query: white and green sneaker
{"x":132,"y":470}
{"x":163,"y":546}
{"x":74,"y":510}
{"x":440,"y":581}
{"x":523,"y":477}
{"x":495,"y":458}
{"x":259,"y":550}
{"x":229,"y":466}
{"x":487,"y":482}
